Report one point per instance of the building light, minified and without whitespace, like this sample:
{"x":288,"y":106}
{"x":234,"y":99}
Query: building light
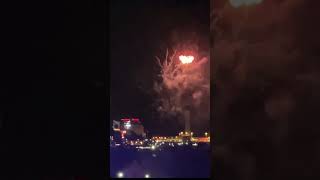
{"x":135,"y":120}
{"x":127,"y":125}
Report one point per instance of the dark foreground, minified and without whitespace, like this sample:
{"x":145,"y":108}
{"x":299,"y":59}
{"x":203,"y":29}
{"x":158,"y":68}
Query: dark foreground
{"x":180,"y":162}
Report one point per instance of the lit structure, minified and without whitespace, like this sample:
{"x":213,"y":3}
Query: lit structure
{"x":183,"y":137}
{"x":129,"y":128}
{"x":187,"y":121}
{"x":185,"y":60}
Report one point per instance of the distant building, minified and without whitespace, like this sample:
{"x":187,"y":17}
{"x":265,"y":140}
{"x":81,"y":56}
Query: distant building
{"x":130,"y":128}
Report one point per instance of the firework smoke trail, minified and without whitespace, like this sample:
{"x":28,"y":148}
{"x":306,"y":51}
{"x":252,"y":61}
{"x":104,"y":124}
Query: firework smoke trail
{"x":183,"y":84}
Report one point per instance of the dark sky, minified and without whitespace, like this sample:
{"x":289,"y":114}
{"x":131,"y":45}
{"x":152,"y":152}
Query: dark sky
{"x":139,"y":31}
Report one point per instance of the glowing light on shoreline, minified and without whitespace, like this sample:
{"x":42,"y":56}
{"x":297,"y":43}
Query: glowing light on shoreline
{"x":120,"y":175}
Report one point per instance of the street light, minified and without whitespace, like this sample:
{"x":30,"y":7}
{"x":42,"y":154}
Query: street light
{"x":120,"y":175}
{"x":206,"y":134}
{"x":127,"y":125}
{"x":147,"y":176}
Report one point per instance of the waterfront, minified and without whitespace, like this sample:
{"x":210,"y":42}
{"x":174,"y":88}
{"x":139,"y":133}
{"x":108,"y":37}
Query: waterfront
{"x":165,"y":162}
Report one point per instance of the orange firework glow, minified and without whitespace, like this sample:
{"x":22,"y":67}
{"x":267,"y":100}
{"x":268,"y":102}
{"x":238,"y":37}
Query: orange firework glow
{"x":186,"y":59}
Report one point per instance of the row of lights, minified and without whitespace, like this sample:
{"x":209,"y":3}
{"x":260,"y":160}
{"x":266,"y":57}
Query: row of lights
{"x":186,"y":133}
{"x":181,"y":133}
{"x":164,"y":137}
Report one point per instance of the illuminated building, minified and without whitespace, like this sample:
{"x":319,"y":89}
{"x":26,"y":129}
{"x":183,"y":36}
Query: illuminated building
{"x":130,"y":128}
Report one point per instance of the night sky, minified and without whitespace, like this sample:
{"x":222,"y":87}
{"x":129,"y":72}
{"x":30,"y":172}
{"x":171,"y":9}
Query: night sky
{"x":139,"y":31}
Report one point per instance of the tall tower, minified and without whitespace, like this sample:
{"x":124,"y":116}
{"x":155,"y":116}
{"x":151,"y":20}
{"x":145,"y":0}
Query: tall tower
{"x":187,"y":120}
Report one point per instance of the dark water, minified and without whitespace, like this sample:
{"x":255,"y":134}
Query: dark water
{"x":187,"y":162}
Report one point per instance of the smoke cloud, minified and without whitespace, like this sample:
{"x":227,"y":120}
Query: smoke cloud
{"x":182,"y":87}
{"x":266,"y":73}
